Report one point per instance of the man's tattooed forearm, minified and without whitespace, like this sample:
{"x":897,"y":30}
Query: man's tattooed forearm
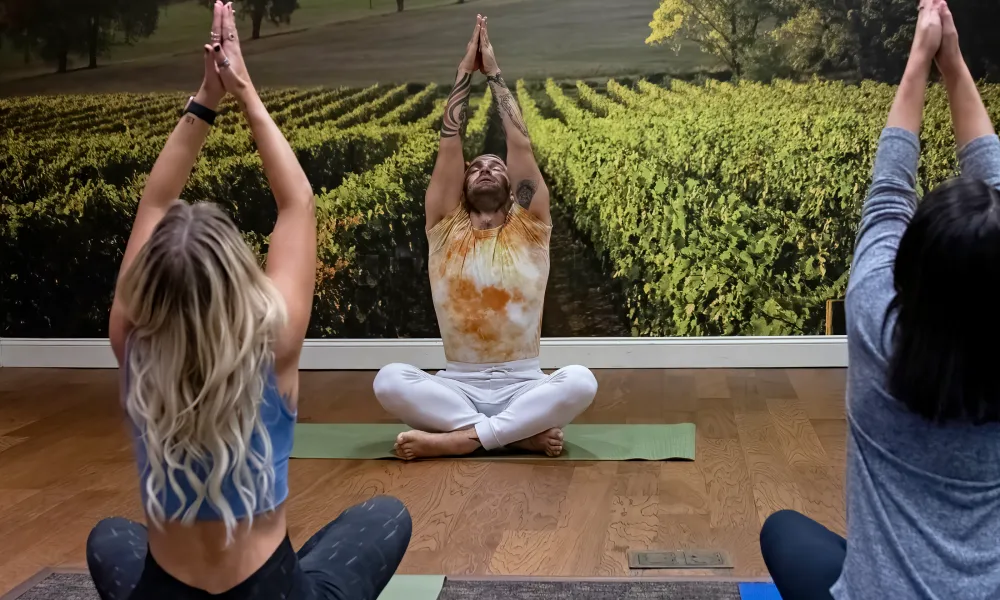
{"x":509,"y":110}
{"x":457,"y":109}
{"x":526,"y":192}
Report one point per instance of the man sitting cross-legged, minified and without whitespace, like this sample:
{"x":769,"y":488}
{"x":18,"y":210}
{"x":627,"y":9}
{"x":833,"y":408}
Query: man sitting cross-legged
{"x":489,"y":264}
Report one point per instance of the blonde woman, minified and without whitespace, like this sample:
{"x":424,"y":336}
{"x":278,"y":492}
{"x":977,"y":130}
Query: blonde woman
{"x":209,"y":346}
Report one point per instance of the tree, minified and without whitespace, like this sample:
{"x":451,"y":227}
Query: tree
{"x":56,"y":29}
{"x":45,"y":28}
{"x":883,"y":31}
{"x":4,"y":23}
{"x":977,"y":27}
{"x":728,"y":29}
{"x":812,"y":37}
{"x":872,"y":38}
{"x":276,"y":11}
{"x":117,"y":21}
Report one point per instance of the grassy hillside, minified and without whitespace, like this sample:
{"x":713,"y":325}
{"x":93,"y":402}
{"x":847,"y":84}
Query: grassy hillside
{"x":533,"y":39}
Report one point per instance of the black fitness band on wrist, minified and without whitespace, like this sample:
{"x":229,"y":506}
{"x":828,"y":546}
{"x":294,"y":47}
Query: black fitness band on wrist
{"x":202,"y":112}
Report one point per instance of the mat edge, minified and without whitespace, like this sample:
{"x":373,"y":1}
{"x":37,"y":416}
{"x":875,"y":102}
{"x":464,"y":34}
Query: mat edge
{"x":662,"y":579}
{"x":22,"y":588}
{"x":25,"y":586}
{"x":566,"y":457}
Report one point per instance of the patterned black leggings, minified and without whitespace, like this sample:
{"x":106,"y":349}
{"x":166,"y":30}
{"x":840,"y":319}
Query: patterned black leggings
{"x":352,"y":558}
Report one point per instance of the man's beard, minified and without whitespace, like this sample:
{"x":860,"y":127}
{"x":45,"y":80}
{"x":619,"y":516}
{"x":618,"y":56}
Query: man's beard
{"x":486,"y":199}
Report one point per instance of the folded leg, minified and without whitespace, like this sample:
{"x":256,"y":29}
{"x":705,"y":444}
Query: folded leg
{"x":553,"y":402}
{"x":116,"y":556}
{"x":804,"y":558}
{"x":356,"y":555}
{"x":422,"y":401}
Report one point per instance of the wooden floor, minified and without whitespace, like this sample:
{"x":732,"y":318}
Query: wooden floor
{"x":767,"y":440}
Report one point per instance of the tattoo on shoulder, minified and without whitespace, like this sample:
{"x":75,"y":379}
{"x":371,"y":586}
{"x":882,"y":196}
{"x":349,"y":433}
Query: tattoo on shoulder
{"x":526,"y":193}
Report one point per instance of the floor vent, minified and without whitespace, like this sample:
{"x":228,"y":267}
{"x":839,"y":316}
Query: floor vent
{"x":679,"y":559}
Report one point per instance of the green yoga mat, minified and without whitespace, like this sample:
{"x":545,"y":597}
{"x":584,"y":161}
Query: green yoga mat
{"x":413,"y":587}
{"x":583,"y":442}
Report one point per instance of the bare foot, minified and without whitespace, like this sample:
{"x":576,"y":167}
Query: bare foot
{"x":548,"y":442}
{"x":420,"y":444}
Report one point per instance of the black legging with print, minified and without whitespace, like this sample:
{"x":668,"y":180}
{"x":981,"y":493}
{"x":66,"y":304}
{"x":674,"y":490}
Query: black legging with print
{"x":351,"y":558}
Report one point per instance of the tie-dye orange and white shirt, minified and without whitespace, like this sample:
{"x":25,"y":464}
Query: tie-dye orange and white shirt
{"x":489,"y":286}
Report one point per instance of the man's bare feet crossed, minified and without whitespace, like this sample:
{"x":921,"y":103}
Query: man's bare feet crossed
{"x":420,"y":444}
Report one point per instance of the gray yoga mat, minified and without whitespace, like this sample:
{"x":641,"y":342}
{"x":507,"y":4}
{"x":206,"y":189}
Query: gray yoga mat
{"x":51,"y":585}
{"x":77,"y":585}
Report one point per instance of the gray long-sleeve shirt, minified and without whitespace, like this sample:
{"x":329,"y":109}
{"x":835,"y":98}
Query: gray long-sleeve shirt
{"x":923,"y":500}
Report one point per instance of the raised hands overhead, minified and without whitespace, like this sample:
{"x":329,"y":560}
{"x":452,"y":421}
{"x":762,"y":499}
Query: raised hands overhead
{"x":971,"y":120}
{"x":456,"y":110}
{"x":489,"y":65}
{"x":950,"y":54}
{"x":229,"y":54}
{"x":908,"y":109}
{"x":927,"y":40}
{"x":473,"y":60}
{"x":212,"y":90}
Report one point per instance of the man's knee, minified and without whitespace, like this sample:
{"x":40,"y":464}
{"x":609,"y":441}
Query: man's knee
{"x":581,"y":387}
{"x":390,"y":385}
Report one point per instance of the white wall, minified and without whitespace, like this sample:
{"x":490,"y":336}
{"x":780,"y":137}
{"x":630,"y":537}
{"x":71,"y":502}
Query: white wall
{"x":596,"y":353}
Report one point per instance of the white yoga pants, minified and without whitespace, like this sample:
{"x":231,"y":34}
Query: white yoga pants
{"x":506,"y":403}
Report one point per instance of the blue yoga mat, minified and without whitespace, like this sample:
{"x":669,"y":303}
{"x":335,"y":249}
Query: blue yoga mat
{"x":759,"y":591}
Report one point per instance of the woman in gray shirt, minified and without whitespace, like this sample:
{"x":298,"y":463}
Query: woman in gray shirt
{"x":923,"y":405}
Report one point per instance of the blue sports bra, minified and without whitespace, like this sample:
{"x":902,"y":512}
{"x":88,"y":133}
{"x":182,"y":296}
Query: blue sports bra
{"x":278,"y":421}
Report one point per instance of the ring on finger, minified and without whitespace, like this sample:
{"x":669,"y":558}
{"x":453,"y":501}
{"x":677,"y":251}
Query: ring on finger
{"x":225,"y":63}
{"x":216,"y":37}
{"x":232,"y":36}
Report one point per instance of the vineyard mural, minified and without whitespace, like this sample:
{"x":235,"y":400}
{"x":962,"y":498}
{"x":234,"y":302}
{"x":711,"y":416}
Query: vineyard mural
{"x":704,"y":181}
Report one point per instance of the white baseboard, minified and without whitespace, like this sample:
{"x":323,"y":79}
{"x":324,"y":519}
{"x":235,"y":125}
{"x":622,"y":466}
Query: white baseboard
{"x":596,"y":353}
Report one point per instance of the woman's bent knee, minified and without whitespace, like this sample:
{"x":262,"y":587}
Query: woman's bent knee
{"x":777,"y":524}
{"x":390,"y":504}
{"x":396,"y":518}
{"x":394,"y":509}
{"x":105,"y":529}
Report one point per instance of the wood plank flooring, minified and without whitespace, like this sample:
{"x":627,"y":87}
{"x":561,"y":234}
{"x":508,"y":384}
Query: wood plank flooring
{"x":767,"y":440}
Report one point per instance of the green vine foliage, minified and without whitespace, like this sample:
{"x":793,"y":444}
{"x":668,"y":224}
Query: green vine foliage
{"x":724,"y":209}
{"x":721,"y":209}
{"x":71,"y":180}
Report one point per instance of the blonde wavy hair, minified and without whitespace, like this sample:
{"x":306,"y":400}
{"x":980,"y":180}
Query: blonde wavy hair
{"x":205,"y":318}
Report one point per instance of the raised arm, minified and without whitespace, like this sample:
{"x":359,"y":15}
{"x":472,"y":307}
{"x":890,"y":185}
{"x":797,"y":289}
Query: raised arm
{"x":892,"y":198}
{"x":291,"y":256}
{"x":526,"y":180}
{"x":168,"y":177}
{"x":444,"y":194}
{"x":979,"y":147}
